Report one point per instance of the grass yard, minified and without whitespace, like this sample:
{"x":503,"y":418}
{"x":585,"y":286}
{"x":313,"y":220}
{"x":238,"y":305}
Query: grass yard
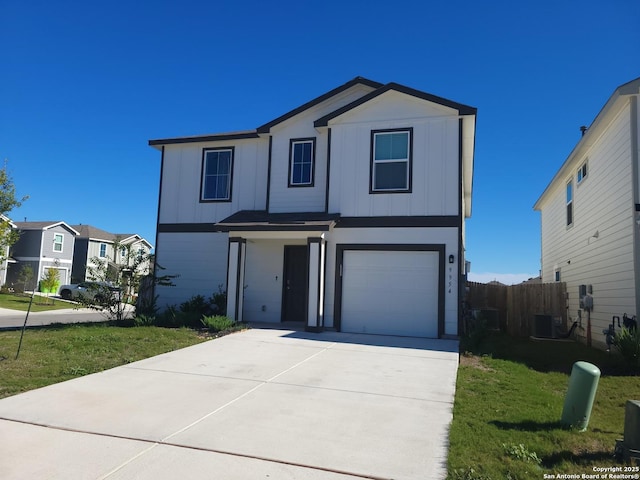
{"x":509,"y":400}
{"x":40,"y":303}
{"x":62,"y":352}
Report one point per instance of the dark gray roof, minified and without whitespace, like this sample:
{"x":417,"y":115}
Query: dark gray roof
{"x":462,"y":109}
{"x":267,"y":126}
{"x":379,"y":89}
{"x":88,"y":231}
{"x":43,"y":225}
{"x":261,"y":220}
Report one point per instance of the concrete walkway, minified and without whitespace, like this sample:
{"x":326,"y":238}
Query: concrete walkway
{"x":263,"y":403}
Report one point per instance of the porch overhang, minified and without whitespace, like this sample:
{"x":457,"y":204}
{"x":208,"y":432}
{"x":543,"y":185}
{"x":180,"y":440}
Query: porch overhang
{"x":263,"y":223}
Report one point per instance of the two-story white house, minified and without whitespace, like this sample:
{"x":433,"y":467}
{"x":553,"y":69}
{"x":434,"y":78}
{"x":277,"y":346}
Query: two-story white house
{"x":115,"y":248}
{"x":347,"y":212}
{"x":590,"y":218}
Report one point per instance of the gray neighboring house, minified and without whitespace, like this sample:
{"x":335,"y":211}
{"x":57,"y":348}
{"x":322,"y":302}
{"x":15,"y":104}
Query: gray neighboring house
{"x":93,"y":242}
{"x":42,"y":245}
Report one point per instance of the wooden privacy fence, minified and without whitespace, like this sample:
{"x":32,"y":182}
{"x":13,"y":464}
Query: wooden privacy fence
{"x":517,"y":305}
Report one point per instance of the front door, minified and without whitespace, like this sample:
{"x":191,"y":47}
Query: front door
{"x":294,"y":296}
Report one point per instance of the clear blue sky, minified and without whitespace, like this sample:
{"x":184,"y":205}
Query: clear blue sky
{"x":84,"y":86}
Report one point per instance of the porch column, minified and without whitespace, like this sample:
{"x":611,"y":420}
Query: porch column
{"x":235,"y":277}
{"x":315,"y":304}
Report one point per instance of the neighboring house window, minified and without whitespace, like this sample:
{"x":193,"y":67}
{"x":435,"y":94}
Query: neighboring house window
{"x":391,"y":160}
{"x":123,"y":252}
{"x":557,"y":275}
{"x":217,"y":168}
{"x":301,"y":162}
{"x":582,"y":172}
{"x":58,"y":239}
{"x":569,"y":203}
{"x":103,"y":250}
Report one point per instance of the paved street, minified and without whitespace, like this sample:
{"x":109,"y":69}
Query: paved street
{"x":10,"y":319}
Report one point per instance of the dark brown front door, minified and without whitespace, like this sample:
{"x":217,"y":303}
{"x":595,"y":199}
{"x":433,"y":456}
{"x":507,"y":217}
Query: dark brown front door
{"x":294,"y":296}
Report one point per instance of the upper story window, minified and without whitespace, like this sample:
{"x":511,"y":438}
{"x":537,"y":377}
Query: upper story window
{"x":391,"y":160}
{"x":582,"y":172}
{"x":123,"y":252}
{"x":58,"y":240}
{"x":217,"y":170}
{"x":301,"y":162}
{"x":103,"y":250}
{"x":569,"y":203}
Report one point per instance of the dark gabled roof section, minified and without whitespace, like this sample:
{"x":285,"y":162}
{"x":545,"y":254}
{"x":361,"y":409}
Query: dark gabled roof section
{"x":206,"y":138}
{"x":44,"y":226}
{"x":462,"y":109}
{"x":356,"y":81}
{"x":89,"y":231}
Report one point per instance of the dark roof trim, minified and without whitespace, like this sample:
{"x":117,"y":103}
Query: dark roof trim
{"x":262,"y":216}
{"x":187,"y":228}
{"x":206,"y":138}
{"x":462,"y":109}
{"x":258,"y":220}
{"x":305,"y":227}
{"x":399,"y":221}
{"x":262,"y":221}
{"x":266,"y":128}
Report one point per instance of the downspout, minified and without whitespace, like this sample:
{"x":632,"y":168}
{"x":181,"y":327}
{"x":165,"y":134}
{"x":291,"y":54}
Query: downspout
{"x":635,"y":172}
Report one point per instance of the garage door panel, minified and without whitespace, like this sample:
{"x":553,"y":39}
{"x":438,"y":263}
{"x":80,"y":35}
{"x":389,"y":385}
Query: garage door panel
{"x":390,"y":292}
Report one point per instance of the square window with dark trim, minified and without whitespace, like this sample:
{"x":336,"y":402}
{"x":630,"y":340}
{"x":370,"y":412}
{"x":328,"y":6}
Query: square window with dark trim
{"x":217,"y":173}
{"x":391,"y":161}
{"x":301,"y":162}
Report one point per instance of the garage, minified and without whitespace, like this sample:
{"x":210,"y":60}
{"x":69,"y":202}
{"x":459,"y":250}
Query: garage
{"x":390,"y":292}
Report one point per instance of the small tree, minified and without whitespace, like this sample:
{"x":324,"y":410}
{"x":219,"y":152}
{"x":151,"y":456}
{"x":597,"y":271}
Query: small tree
{"x":25,"y":277}
{"x":50,"y":281}
{"x":8,"y":201}
{"x":119,"y":280}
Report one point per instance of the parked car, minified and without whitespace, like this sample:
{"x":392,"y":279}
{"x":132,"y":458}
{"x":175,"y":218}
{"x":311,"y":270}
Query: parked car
{"x":98,"y":291}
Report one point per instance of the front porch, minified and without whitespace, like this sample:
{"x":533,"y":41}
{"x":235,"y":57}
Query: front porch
{"x":276,"y":268}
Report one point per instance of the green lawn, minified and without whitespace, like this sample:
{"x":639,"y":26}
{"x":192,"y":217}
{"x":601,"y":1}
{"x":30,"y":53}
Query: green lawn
{"x":509,"y":403}
{"x":40,"y":303}
{"x":61,"y":352}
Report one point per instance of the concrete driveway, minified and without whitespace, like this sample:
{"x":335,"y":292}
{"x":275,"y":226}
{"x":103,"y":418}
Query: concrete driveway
{"x":264,"y":403}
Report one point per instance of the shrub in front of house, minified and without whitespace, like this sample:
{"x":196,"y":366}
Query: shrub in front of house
{"x":218,"y":323}
{"x":627,"y":342}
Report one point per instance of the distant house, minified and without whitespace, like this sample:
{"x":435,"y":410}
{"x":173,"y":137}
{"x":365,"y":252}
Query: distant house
{"x":590,"y":217}
{"x":347,"y":212}
{"x":42,"y":245}
{"x":6,"y":257}
{"x":114,"y":248}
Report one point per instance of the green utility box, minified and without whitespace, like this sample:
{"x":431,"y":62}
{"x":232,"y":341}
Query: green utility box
{"x":580,"y":395}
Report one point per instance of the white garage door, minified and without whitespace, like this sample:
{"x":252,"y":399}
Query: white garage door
{"x":390,"y":292}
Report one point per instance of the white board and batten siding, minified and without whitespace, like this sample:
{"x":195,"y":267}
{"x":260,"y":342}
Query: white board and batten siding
{"x":182,"y":177}
{"x":598,"y":248}
{"x":283,"y":198}
{"x":200,"y":260}
{"x":434,"y":181}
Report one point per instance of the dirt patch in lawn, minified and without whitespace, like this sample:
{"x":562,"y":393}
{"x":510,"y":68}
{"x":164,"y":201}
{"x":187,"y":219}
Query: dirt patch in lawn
{"x":474,"y":361}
